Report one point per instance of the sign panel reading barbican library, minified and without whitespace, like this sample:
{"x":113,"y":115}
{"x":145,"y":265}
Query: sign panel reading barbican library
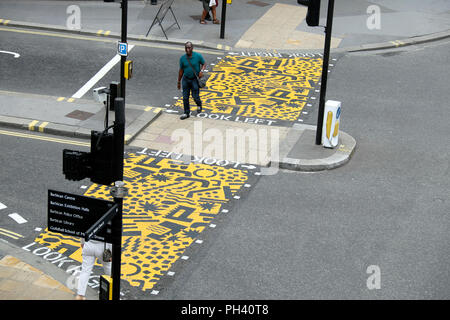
{"x":73,"y":215}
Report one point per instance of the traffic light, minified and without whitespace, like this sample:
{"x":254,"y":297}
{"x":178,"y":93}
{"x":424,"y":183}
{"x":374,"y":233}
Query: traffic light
{"x":76,"y":164}
{"x":313,"y":15}
{"x":102,"y":157}
{"x":97,"y":165}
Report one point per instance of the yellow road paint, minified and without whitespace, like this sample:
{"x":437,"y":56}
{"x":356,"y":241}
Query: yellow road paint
{"x":32,"y":124}
{"x":271,"y":88}
{"x":10,"y":234}
{"x":60,"y":99}
{"x":70,"y":100}
{"x":44,"y":138}
{"x":398,"y":43}
{"x":154,"y":109}
{"x":168,"y":206}
{"x":42,"y":126}
{"x":103,"y":39}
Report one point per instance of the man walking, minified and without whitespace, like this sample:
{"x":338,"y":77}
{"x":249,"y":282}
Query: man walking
{"x":192,"y":65}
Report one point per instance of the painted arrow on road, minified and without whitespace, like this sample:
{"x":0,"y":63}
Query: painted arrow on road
{"x":15,"y":54}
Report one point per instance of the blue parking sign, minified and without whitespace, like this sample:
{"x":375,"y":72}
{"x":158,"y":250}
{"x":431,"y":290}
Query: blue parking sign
{"x":122,"y":48}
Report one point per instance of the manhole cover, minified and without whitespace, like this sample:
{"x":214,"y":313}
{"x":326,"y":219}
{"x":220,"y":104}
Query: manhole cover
{"x":79,"y":115}
{"x":258,"y":3}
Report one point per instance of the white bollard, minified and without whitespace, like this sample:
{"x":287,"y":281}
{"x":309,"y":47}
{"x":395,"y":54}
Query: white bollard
{"x":331,"y":122}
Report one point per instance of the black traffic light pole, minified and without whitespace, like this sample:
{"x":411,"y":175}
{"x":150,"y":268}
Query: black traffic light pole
{"x":123,"y":40}
{"x":118,"y":192}
{"x":326,"y":59}
{"x":222,"y":23}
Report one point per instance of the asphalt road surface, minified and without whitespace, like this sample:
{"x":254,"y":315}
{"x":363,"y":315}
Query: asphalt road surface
{"x":296,"y":235}
{"x":61,"y":64}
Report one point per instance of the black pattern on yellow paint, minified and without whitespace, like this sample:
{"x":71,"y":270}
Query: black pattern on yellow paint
{"x":168,"y":205}
{"x":269,"y":88}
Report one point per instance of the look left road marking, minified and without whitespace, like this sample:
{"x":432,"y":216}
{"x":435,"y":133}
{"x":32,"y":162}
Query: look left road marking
{"x":103,"y":71}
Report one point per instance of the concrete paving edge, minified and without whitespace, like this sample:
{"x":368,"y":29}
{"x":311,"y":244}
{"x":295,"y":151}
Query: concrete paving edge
{"x":342,"y":155}
{"x":132,"y":130}
{"x":49,"y":269}
{"x":208,"y":45}
{"x":115,"y":35}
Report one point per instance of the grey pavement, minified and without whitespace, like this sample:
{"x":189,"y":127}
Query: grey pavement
{"x":354,"y":22}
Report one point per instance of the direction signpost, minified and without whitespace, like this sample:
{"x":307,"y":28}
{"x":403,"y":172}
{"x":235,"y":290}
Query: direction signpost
{"x":75,"y":215}
{"x":100,"y":223}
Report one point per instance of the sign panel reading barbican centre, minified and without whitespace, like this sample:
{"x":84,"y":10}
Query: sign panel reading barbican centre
{"x":73,"y":215}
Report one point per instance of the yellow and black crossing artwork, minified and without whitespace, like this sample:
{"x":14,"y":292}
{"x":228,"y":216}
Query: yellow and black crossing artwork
{"x":169,"y":204}
{"x":262,"y":89}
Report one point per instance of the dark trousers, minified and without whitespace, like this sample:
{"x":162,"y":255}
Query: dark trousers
{"x":188,"y":86}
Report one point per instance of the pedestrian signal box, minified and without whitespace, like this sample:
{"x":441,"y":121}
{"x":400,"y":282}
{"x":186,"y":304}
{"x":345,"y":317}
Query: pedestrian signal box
{"x":128,"y":69}
{"x":105,"y":288}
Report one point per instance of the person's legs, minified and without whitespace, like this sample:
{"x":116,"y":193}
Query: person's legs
{"x":205,"y":11}
{"x":86,"y":269}
{"x":186,"y":93}
{"x":215,"y":20}
{"x":196,"y":95}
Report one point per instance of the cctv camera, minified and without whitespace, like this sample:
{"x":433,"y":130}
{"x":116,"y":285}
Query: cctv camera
{"x":101,"y":94}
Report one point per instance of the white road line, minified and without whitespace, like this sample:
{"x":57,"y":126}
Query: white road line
{"x":103,"y":71}
{"x":2,"y":206}
{"x":17,"y":217}
{"x":15,"y":54}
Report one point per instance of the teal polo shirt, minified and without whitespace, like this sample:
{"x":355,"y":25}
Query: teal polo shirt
{"x":196,"y":59}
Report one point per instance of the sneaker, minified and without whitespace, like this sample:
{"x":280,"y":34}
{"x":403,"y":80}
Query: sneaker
{"x":184,"y":116}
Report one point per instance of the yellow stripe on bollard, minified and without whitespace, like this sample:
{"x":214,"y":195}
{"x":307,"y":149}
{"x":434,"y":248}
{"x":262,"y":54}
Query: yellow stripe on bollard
{"x":329,"y":120}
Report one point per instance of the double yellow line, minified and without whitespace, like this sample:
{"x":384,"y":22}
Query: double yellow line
{"x":398,"y":43}
{"x":155,"y":109}
{"x":64,"y":98}
{"x":101,"y":36}
{"x":44,"y":138}
{"x":104,"y":33}
{"x":10,"y":234}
